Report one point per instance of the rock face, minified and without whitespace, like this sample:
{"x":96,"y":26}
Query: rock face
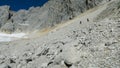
{"x":52,"y":13}
{"x":4,"y":15}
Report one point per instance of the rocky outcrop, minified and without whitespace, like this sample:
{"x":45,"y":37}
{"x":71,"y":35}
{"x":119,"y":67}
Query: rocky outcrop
{"x":8,"y":27}
{"x":50,"y":14}
{"x":4,"y":15}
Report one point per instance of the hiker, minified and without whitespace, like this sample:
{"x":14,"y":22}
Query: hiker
{"x":80,"y":22}
{"x":87,"y":20}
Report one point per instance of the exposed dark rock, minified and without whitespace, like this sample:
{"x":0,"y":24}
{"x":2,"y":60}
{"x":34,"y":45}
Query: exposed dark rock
{"x":29,"y":60}
{"x":12,"y":61}
{"x":68,"y":64}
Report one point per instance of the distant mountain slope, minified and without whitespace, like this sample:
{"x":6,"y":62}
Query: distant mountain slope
{"x":52,"y":13}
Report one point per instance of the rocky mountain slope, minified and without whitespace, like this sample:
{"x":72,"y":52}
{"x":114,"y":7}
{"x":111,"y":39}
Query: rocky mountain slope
{"x":52,"y":13}
{"x":89,"y":40}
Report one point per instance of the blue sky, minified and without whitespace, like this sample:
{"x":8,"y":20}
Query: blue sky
{"x":22,"y":4}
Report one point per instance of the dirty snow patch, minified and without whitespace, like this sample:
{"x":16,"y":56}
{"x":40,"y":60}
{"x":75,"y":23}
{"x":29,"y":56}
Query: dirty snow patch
{"x":10,"y":37}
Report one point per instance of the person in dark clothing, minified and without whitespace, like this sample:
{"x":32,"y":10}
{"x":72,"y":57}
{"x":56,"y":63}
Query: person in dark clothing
{"x":80,"y":22}
{"x":87,"y":20}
